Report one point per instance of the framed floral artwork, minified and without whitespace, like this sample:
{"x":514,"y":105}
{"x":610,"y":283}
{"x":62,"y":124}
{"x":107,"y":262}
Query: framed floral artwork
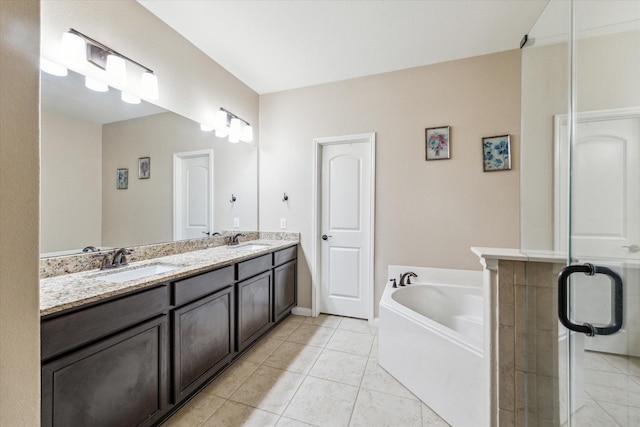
{"x":496,"y":152}
{"x":144,"y":167}
{"x":438,"y":143}
{"x":123,"y":179}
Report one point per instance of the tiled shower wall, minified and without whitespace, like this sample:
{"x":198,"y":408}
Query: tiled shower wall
{"x":525,"y":336}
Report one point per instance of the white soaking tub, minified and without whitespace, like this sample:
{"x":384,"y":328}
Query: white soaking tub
{"x":431,"y":340}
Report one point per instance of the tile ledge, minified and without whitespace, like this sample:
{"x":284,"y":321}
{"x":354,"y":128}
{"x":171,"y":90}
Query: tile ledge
{"x":512,"y":254}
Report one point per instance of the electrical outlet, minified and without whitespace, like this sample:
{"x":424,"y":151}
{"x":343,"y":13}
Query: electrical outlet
{"x":236,"y":222}
{"x":283,"y":223}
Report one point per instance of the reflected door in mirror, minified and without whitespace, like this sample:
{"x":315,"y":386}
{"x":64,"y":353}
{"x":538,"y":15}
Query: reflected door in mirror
{"x":193,"y":198}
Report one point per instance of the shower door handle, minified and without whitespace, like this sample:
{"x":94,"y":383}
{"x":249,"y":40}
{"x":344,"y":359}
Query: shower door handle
{"x":616,"y":299}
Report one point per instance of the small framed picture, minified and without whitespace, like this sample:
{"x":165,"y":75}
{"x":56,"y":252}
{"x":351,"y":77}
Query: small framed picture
{"x":144,"y":167}
{"x":496,"y":151}
{"x":123,"y":179}
{"x":438,"y":143}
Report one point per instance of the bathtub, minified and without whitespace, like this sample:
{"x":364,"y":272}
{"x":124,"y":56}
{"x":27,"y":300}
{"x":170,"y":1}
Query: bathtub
{"x":431,"y":340}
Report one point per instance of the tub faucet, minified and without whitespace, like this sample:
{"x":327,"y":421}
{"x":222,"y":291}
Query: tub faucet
{"x":233,"y":239}
{"x":408,"y":275}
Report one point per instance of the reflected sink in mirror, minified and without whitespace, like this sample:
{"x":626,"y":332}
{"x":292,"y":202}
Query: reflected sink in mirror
{"x":136,"y":273}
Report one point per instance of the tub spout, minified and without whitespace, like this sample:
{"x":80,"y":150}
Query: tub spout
{"x":408,"y":275}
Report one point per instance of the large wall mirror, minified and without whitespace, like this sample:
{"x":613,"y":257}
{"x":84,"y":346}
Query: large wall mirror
{"x":87,"y":136}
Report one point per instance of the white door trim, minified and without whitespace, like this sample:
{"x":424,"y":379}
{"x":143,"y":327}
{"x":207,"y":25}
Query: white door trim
{"x":560,"y":193}
{"x":316,"y":252}
{"x":177,"y":176}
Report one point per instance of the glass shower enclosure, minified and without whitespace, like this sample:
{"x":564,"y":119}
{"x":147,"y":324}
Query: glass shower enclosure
{"x":580,"y":202}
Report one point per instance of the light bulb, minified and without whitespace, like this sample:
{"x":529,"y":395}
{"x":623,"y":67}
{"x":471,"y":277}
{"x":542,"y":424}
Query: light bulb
{"x":149,"y":83}
{"x":52,"y":68}
{"x":235,"y":129}
{"x":116,"y":71}
{"x":205,"y":128}
{"x":247,"y":134}
{"x":221,"y":120}
{"x":222,"y":132}
{"x":233,"y":139}
{"x":95,"y":84}
{"x":73,"y":50}
{"x":129,"y":99}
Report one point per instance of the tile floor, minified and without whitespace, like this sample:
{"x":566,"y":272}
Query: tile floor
{"x":308,"y":372}
{"x":612,"y":391}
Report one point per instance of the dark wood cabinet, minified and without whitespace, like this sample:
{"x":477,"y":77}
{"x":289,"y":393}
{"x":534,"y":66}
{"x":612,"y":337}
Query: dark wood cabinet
{"x":284,"y":289}
{"x":254,"y":308}
{"x":119,"y":381}
{"x":203,"y":340}
{"x":133,"y":359}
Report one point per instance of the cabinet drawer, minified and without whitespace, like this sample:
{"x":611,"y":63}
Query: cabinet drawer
{"x":72,"y":330}
{"x":254,"y":266}
{"x":202,"y":284}
{"x":280,"y":257}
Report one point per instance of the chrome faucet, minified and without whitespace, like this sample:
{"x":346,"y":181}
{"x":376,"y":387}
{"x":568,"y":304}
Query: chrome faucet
{"x":233,"y":239}
{"x":120,"y":257}
{"x":408,"y":275}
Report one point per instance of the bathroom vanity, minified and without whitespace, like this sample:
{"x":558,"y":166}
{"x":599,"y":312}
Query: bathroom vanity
{"x":130,"y":353}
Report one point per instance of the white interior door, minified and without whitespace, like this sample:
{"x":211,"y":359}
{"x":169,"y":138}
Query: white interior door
{"x":193,"y":194}
{"x":605,"y":207}
{"x":346,"y":228}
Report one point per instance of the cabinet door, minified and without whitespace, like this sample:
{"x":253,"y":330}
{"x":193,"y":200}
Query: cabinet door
{"x":254,"y":308}
{"x":284,"y":289}
{"x":203,"y":340}
{"x":119,"y":381}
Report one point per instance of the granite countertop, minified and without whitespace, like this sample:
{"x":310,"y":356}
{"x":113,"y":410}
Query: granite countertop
{"x":73,"y":290}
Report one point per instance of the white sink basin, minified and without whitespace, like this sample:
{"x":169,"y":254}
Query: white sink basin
{"x":249,"y":247}
{"x":136,"y":273}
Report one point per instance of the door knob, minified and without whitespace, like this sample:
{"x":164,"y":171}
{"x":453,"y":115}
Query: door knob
{"x":632,"y":248}
{"x":325,"y":237}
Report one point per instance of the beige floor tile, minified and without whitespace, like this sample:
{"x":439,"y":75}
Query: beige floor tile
{"x":591,"y":414}
{"x":326,"y":320}
{"x":626,"y":364}
{"x":232,"y":378}
{"x":196,"y":412}
{"x":269,"y":389}
{"x":351,"y":342}
{"x":377,"y":379}
{"x":233,"y":414}
{"x":626,"y":416}
{"x":339,"y":366}
{"x":612,"y":387}
{"x":262,"y":350}
{"x":323,"y":403}
{"x":294,"y":357}
{"x":594,"y":360}
{"x":431,"y":419}
{"x":311,"y":335}
{"x":290,"y":422}
{"x":357,"y":325}
{"x":374,"y":348}
{"x":296,"y":318}
{"x":284,"y":329}
{"x":378,"y":409}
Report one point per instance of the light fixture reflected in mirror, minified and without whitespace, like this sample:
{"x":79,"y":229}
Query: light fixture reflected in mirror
{"x":102,"y":67}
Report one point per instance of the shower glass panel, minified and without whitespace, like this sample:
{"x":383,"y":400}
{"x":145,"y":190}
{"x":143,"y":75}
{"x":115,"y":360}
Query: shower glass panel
{"x":580,"y":202}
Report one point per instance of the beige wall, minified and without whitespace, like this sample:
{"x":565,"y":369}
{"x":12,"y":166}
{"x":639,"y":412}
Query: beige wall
{"x":143,"y":213}
{"x":427,"y":213}
{"x":71,"y":188}
{"x":19,"y":181}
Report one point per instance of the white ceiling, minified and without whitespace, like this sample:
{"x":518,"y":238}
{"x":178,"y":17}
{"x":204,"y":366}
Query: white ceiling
{"x":278,"y":45}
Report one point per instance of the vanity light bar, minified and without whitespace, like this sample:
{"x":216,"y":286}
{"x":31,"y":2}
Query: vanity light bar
{"x":228,"y":124}
{"x":78,"y":47}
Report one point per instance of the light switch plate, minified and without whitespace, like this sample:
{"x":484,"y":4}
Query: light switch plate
{"x":283,"y":223}
{"x":236,"y":222}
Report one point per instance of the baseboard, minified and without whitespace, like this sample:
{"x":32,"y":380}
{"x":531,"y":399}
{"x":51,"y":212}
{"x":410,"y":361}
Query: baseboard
{"x":301,"y":311}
